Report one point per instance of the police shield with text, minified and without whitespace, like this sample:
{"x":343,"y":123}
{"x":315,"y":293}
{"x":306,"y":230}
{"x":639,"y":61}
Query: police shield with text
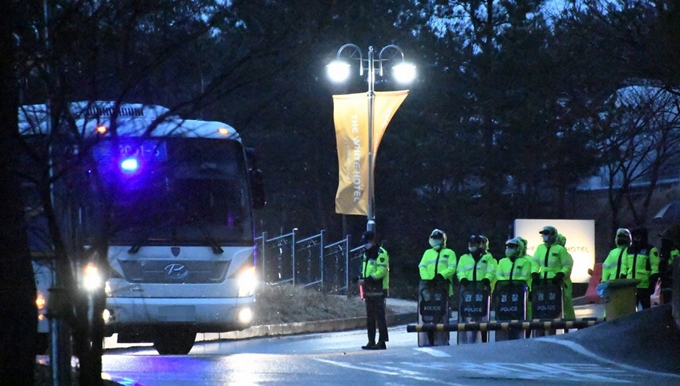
{"x":476,"y":272}
{"x":513,"y":277}
{"x":546,"y":288}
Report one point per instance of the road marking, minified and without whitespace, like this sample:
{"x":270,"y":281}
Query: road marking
{"x":583,"y":351}
{"x":388,"y":370}
{"x":433,"y":352}
{"x":572,"y":372}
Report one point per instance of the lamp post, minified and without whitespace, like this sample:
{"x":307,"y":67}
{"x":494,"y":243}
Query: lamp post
{"x":403,"y":72}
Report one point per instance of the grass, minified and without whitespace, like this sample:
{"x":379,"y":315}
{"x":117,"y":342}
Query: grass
{"x":285,"y":303}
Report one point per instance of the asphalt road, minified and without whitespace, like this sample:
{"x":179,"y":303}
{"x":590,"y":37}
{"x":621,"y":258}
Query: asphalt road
{"x":599,"y":355}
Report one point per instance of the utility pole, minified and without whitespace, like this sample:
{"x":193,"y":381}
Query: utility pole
{"x":60,"y":342}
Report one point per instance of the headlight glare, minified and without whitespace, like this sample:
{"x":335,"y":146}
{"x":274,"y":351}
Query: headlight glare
{"x":92,"y":280}
{"x":247,"y":283}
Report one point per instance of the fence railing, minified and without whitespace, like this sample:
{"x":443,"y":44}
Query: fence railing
{"x":310,"y":261}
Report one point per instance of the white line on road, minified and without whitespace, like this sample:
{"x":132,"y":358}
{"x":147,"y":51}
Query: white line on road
{"x":391,"y":371}
{"x":583,"y":351}
{"x":433,"y":352}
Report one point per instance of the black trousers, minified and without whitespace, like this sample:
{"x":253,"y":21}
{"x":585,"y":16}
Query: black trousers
{"x":375,"y":315}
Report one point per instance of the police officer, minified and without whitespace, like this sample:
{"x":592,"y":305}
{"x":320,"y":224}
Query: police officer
{"x":516,"y":265}
{"x":642,"y":261}
{"x":555,"y":264}
{"x":437,"y":268}
{"x":476,"y":266}
{"x":614,"y":266}
{"x":535,"y":270}
{"x":375,"y":278}
{"x":439,"y":262}
{"x":568,"y":286}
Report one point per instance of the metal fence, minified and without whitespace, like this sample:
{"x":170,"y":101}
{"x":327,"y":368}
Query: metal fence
{"x":310,"y":261}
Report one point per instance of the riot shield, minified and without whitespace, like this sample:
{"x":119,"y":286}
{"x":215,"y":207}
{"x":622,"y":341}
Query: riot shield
{"x":510,"y":303}
{"x":546,"y":302}
{"x":433,"y":307}
{"x":473,"y":306}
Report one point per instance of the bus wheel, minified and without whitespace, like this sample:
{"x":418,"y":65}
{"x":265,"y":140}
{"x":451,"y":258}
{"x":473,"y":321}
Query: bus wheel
{"x":174,"y":341}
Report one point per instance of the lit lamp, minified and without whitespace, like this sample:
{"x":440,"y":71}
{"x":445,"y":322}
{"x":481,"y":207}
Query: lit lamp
{"x":403,"y":72}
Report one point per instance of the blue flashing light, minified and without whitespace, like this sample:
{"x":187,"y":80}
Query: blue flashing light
{"x":129,"y":165}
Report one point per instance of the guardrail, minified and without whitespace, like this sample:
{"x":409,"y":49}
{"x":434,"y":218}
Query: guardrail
{"x":310,"y":261}
{"x":533,"y":324}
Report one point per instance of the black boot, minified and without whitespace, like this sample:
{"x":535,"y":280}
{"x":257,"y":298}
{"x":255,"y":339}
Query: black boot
{"x":380,"y":346}
{"x":369,"y":346}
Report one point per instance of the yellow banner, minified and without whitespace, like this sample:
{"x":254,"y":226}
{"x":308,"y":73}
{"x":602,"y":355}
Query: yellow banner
{"x":351,"y":131}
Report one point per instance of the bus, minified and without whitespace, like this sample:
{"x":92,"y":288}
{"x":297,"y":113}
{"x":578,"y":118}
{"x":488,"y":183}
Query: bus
{"x":175,"y":199}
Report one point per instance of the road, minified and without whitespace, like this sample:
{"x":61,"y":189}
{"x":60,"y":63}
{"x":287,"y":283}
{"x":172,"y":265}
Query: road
{"x":336,"y":359}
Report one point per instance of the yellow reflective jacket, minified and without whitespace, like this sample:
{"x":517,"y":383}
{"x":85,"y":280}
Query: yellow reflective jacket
{"x":642,"y":264}
{"x":436,"y":262}
{"x":520,"y":269}
{"x":485,"y":268}
{"x":378,"y":268}
{"x":615,"y":264}
{"x":552,"y":259}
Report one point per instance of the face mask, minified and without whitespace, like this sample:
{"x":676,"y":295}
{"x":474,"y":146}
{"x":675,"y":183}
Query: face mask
{"x":436,"y":243}
{"x":368,"y":245}
{"x":546,"y":238}
{"x":622,"y":241}
{"x":472,"y":249}
{"x":510,"y":251}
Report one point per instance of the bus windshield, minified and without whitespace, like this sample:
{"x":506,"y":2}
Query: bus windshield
{"x":168,"y":191}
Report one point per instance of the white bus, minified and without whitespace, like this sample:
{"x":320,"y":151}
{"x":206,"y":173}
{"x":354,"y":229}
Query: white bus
{"x":180,"y":228}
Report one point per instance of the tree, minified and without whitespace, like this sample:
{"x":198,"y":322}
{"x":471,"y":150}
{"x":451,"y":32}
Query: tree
{"x":17,"y":286}
{"x":639,"y":139}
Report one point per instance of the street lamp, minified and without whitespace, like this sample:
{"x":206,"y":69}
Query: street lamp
{"x":403,"y":72}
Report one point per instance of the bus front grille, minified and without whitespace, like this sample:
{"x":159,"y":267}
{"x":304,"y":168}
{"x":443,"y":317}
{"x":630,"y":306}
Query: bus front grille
{"x":171,"y":271}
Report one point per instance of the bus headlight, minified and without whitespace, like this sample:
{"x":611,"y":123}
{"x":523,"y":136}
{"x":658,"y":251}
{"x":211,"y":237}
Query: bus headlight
{"x":247,"y":283}
{"x":92,"y":279}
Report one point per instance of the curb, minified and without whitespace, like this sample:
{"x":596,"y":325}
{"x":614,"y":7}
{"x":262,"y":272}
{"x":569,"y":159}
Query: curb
{"x":271,"y":330}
